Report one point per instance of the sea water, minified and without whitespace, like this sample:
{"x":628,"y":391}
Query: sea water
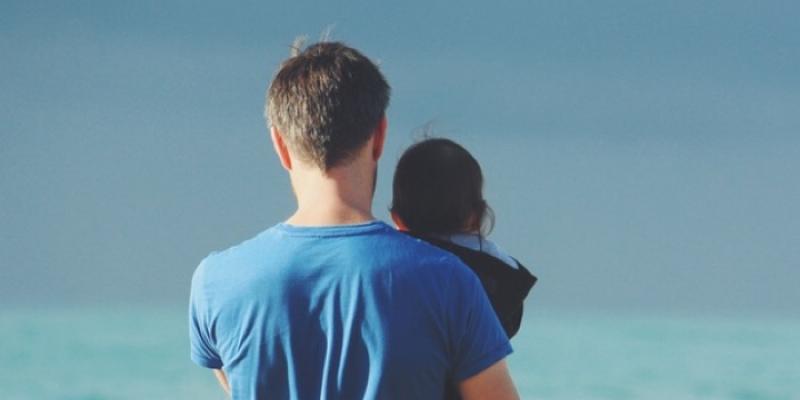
{"x":142,"y":353}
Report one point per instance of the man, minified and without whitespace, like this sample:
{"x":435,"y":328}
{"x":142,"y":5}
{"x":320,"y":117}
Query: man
{"x":333,"y":304}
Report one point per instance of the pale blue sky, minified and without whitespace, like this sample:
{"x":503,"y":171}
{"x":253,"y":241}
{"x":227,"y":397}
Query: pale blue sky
{"x":639,"y":156}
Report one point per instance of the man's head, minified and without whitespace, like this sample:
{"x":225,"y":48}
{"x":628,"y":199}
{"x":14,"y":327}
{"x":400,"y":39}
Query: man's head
{"x":326,"y":102}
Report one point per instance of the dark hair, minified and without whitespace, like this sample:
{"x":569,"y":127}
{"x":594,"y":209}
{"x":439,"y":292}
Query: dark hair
{"x":326,"y":102}
{"x":438,"y":189}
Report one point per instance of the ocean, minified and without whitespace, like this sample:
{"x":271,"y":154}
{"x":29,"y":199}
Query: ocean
{"x":142,"y":353}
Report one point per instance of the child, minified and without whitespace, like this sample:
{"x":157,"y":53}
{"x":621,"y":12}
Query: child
{"x":438,"y":197}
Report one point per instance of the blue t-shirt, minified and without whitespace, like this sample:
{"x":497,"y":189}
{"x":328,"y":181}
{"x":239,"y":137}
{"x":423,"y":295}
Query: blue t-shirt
{"x":341,"y":312}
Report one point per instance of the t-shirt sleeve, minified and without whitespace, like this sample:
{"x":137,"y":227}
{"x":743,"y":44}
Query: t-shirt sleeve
{"x":477,"y":337}
{"x":202,"y":350}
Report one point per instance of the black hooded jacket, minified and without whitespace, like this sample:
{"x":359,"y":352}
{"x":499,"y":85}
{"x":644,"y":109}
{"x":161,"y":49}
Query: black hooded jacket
{"x":506,"y":287}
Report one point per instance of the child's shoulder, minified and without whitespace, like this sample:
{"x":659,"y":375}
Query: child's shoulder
{"x":482,"y":244}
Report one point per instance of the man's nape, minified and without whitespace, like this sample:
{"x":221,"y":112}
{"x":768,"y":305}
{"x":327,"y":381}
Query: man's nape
{"x":340,"y":195}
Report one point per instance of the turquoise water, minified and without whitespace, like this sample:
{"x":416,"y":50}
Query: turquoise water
{"x":83,"y":354}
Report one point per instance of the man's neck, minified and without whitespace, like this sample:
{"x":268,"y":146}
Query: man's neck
{"x":340,"y":196}
{"x":338,"y":217}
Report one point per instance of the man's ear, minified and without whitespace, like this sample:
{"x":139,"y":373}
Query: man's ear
{"x":401,"y":226}
{"x":379,"y":138}
{"x":280,"y":148}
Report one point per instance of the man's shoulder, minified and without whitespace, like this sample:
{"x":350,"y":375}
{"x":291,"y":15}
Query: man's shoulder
{"x":407,"y":245}
{"x":423,"y":258}
{"x":248,"y":249}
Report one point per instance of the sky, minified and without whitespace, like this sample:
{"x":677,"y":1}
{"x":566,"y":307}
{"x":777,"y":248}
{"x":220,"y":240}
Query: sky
{"x":640,"y":156}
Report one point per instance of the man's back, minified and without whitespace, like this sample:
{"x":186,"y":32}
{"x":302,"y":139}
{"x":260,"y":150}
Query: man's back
{"x":341,"y":312}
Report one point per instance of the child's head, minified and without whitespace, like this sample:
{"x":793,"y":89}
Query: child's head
{"x":438,"y":189}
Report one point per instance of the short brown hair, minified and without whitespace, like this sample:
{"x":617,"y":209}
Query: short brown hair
{"x":326,"y":101}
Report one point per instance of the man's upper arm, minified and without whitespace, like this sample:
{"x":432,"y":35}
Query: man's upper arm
{"x":476,"y":335}
{"x":493,"y":383}
{"x":203,"y":351}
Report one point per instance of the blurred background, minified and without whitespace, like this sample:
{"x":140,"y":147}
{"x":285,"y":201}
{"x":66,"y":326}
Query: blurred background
{"x":642,"y":158}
